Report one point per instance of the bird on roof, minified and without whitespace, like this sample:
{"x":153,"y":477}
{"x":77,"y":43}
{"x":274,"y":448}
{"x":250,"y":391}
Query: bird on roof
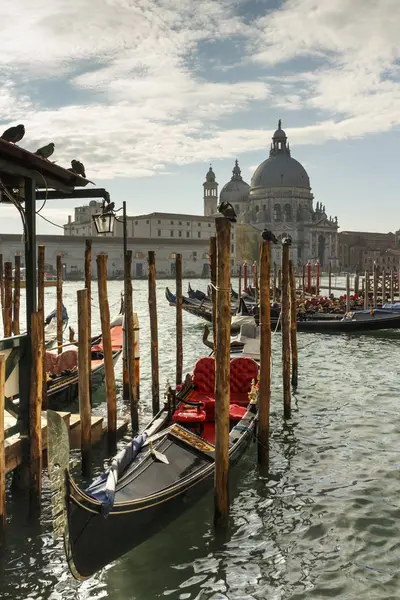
{"x":14,"y":134}
{"x":78,"y":168}
{"x":45,"y":151}
{"x":226,"y":209}
{"x":268,"y":236}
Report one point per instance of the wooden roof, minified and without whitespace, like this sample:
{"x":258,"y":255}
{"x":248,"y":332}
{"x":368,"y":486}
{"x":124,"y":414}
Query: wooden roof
{"x":18,"y":162}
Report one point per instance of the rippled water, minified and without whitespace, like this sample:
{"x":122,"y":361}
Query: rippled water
{"x":323,"y":524}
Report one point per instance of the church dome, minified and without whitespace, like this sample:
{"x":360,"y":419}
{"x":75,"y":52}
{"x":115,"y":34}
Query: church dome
{"x":280,"y":168}
{"x":236,"y":190}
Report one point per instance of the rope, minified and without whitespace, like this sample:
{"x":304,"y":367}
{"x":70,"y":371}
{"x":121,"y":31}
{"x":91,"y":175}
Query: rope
{"x":218,"y":289}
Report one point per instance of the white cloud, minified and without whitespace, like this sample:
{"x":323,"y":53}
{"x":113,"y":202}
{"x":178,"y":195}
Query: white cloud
{"x":147,"y":106}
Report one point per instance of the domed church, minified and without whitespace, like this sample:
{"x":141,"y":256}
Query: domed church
{"x":279,"y":198}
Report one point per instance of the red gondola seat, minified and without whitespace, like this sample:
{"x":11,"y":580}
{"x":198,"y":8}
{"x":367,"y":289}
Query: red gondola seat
{"x":242,"y":372}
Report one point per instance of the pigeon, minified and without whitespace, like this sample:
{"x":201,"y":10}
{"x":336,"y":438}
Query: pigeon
{"x":46,"y":151}
{"x":226,"y":209}
{"x":268,"y":236}
{"x":287,"y":241}
{"x":14,"y":134}
{"x":78,"y":168}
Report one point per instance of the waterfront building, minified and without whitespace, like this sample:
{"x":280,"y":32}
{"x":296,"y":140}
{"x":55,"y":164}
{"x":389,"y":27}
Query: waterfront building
{"x":280,"y":198}
{"x":360,"y":249}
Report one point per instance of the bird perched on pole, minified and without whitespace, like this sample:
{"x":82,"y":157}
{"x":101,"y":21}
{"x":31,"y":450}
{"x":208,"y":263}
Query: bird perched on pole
{"x":268,"y":236}
{"x":226,"y":209}
{"x":14,"y":134}
{"x":78,"y":168}
{"x":46,"y":151}
{"x":287,"y":241}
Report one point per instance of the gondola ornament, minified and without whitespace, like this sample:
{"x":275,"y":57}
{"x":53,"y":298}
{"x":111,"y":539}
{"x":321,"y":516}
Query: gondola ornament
{"x":253,"y":393}
{"x":157,"y":455}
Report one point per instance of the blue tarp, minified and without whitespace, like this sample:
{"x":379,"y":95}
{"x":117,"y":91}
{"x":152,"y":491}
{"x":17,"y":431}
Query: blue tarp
{"x":53,"y":315}
{"x":103,"y":488}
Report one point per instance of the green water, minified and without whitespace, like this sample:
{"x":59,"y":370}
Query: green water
{"x":323,"y":524}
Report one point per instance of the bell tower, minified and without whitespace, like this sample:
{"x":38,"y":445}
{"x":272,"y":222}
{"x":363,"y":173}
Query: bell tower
{"x":210,"y":194}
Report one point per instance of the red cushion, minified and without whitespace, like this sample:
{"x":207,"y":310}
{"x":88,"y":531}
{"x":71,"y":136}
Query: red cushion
{"x":189,"y":415}
{"x":236,"y":412}
{"x":204,"y":375}
{"x":243,"y":371}
{"x":208,"y":401}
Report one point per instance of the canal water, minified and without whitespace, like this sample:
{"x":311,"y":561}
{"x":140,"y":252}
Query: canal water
{"x":323,"y":524}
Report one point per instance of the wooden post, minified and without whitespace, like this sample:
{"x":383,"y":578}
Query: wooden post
{"x":391,"y":287}
{"x":255,"y":277}
{"x":155,"y":382}
{"x":347,"y":292}
{"x":274,"y":282}
{"x":280,"y":283}
{"x":7,"y":299}
{"x":245,"y":275}
{"x":366,"y":290}
{"x":130,"y":343}
{"x":3,"y":513}
{"x":303,"y":282}
{"x":265,"y":354}
{"x":240,"y":280}
{"x":17,"y":294}
{"x":293,"y":325}
{"x":2,"y":286}
{"x":309,"y":276}
{"x":222,"y":372}
{"x":107,"y":349}
{"x":59,"y":304}
{"x":285,"y":327}
{"x":40,"y":309}
{"x":330,"y":279}
{"x":383,"y":286}
{"x":357,"y":282}
{"x":88,"y":286}
{"x":179,"y":350}
{"x":376,"y":278}
{"x":317,"y":276}
{"x":35,"y":416}
{"x":84,"y":376}
{"x":213,"y":280}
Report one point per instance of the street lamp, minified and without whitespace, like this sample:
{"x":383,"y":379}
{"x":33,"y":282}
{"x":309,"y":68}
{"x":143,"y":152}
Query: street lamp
{"x":104,"y":222}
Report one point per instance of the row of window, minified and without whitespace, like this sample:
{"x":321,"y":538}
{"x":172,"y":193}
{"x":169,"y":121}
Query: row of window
{"x":172,"y":233}
{"x":172,"y":223}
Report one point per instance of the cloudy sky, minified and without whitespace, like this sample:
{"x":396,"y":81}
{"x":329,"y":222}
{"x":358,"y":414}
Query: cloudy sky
{"x":148,"y":92}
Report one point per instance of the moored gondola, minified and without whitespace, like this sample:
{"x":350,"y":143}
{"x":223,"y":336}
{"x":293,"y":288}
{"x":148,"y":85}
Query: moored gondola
{"x":162,"y":472}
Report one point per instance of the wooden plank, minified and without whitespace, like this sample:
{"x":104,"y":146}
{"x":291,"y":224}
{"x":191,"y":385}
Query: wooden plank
{"x":155,"y":380}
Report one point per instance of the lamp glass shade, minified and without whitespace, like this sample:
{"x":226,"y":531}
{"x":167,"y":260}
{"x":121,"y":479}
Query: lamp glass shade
{"x":104,"y":223}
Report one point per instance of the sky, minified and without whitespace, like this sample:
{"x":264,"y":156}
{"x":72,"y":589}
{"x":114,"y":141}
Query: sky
{"x":146,"y":93}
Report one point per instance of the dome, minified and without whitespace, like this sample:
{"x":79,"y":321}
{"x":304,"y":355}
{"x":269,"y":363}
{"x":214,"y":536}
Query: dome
{"x":236,"y":190}
{"x":280,"y":168}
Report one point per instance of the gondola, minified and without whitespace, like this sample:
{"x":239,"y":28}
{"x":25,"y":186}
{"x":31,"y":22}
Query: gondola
{"x":158,"y":475}
{"x":197,"y":295}
{"x":62,"y":382}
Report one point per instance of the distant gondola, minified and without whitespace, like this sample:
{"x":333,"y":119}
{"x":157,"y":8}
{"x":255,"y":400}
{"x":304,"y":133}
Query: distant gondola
{"x":159,"y":475}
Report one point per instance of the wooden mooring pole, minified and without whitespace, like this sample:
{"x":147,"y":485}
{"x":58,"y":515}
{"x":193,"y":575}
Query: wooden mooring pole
{"x":17,"y":294}
{"x":366,"y":290}
{"x":391,"y":287}
{"x":59,"y":304}
{"x":84,"y":376}
{"x":347,"y":292}
{"x":107,"y":349}
{"x":155,"y":381}
{"x":3,"y":512}
{"x":383,"y":286}
{"x":265,"y":354}
{"x":7,"y":299}
{"x":274,"y":284}
{"x":179,"y":348}
{"x":240,"y":280}
{"x":285,"y":328}
{"x":130,"y":343}
{"x":222,"y":372}
{"x":40,"y":309}
{"x":35,"y":416}
{"x":330,"y":279}
{"x":88,"y":286}
{"x":213,"y":280}
{"x":255,"y":281}
{"x":357,"y":282}
{"x":293,"y":325}
{"x":376,"y":280}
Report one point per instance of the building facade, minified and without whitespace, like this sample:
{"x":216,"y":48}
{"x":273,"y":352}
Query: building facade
{"x":359,"y":250}
{"x":279,"y":198}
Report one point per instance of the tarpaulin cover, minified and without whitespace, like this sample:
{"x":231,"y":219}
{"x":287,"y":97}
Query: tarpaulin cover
{"x":103,"y":488}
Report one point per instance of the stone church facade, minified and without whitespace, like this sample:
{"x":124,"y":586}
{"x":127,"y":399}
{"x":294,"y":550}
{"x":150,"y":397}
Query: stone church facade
{"x":279,"y":198}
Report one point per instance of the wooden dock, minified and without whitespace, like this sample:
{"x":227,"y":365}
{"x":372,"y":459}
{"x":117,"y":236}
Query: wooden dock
{"x":13,"y":445}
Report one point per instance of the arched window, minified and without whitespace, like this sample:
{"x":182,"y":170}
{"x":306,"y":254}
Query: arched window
{"x":287,"y":211}
{"x":277,"y":213}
